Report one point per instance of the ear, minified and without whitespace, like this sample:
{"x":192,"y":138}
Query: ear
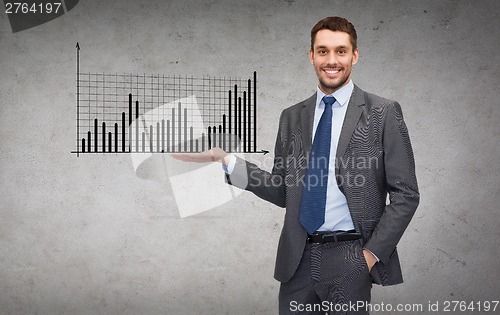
{"x":311,"y":56}
{"x":355,"y":56}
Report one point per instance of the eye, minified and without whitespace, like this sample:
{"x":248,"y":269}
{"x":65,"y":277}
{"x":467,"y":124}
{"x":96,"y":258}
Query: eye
{"x":322,"y":52}
{"x":342,"y":52}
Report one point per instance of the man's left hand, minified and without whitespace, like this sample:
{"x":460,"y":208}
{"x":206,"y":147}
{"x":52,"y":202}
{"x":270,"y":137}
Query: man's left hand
{"x":370,"y":259}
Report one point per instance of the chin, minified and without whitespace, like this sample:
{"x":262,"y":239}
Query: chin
{"x":333,"y":85}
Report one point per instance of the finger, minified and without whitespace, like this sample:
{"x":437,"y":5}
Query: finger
{"x":191,"y":157}
{"x":183,"y":157}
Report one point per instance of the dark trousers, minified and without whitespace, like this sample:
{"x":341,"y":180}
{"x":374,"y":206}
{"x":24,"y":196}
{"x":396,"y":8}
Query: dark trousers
{"x":332,"y":278}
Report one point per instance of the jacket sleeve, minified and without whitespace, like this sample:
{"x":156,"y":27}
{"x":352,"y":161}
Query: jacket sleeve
{"x":401,"y":183}
{"x":268,"y":186}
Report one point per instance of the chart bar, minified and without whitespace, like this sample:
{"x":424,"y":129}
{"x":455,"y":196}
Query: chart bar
{"x":103,"y":136}
{"x":185,"y":130}
{"x":163,"y":135}
{"x":179,"y":144}
{"x":150,"y":138}
{"x":191,"y":139}
{"x":110,"y":148}
{"x":157,"y":137}
{"x":123,"y":132}
{"x":137,"y":126}
{"x":89,"y":136}
{"x":209,"y":137}
{"x":220,"y":137}
{"x":116,"y":137}
{"x":143,"y":141}
{"x":214,"y":138}
{"x":229,"y":115}
{"x":130,"y":109}
{"x":229,"y":112}
{"x":168,"y":135}
{"x":255,"y":111}
{"x":130,"y":122}
{"x":244,"y":121}
{"x":95,"y":135}
{"x":249,"y":94}
{"x":239,"y":119}
{"x":78,"y":97}
{"x":224,"y":132}
{"x":173,"y":129}
{"x":235,"y":116}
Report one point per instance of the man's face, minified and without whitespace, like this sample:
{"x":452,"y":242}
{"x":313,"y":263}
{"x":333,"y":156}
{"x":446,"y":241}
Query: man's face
{"x":332,"y":59}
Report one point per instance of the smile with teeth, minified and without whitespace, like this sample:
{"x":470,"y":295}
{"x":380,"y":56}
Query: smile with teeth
{"x":332,"y":71}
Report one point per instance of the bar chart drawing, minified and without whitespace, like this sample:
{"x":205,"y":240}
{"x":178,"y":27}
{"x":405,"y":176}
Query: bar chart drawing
{"x":139,"y":113}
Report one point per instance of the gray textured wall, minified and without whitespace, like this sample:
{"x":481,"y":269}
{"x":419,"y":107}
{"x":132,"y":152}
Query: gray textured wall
{"x":86,"y":236}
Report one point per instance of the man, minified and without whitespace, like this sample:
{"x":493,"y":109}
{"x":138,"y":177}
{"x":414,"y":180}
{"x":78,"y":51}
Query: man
{"x":338,"y":155}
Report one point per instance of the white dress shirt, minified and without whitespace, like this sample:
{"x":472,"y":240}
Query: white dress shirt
{"x":337,"y":215}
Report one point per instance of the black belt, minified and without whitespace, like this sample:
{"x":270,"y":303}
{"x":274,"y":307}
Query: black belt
{"x":336,"y":236}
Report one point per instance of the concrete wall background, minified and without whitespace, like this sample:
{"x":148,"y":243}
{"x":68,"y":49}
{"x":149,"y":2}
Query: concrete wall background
{"x":86,"y":236}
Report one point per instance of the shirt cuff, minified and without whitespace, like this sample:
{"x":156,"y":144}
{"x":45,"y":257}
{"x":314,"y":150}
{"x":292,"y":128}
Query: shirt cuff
{"x":229,"y":168}
{"x":372,"y":254}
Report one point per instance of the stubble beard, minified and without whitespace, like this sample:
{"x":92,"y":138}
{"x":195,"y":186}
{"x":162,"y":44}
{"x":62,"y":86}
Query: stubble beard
{"x":327,"y":85}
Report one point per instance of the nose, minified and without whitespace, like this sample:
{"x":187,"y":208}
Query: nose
{"x":332,"y":58}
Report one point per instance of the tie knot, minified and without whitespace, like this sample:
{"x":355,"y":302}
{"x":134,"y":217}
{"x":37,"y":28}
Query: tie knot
{"x":328,"y":100}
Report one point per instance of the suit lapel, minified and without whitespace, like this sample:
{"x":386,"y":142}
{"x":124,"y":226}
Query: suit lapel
{"x":306,"y":121}
{"x":354,"y":110}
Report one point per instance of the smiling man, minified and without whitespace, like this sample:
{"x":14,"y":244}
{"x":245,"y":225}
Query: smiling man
{"x":338,"y":155}
{"x":333,"y":54}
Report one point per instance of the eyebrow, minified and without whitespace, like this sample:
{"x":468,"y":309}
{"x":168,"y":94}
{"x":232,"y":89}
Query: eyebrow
{"x":338,"y":47}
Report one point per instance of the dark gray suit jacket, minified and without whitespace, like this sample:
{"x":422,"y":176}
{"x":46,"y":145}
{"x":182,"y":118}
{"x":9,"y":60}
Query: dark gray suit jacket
{"x":374,"y":160}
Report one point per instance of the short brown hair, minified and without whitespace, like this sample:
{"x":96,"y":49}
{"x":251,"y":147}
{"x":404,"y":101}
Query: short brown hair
{"x":335,"y":23}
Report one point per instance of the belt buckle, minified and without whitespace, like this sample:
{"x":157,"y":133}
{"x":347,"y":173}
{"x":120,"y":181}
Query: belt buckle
{"x":332,"y":235}
{"x":318,"y":238}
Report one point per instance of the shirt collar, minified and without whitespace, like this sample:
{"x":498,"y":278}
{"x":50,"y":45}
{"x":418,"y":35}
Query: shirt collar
{"x":342,"y":95}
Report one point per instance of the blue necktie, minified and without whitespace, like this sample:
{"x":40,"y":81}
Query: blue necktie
{"x":312,"y":205}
